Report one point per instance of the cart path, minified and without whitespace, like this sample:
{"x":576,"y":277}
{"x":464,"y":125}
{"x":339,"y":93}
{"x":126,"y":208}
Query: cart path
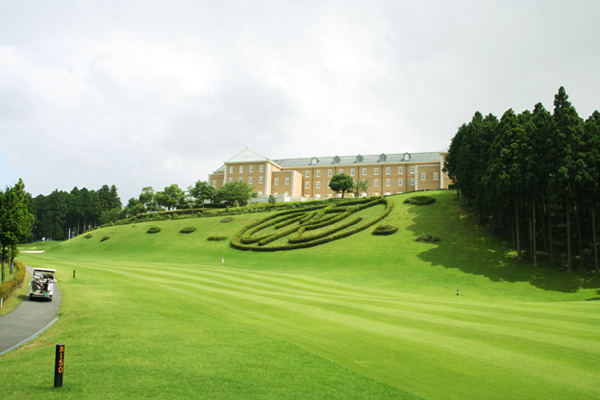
{"x":28,"y":320}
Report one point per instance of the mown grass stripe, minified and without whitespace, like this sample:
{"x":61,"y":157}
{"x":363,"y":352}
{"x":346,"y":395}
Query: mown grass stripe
{"x":401,"y":317}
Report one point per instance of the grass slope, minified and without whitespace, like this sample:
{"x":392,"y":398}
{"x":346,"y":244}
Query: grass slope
{"x":363,"y":317}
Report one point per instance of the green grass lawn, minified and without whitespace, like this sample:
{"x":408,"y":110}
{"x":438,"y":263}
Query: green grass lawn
{"x":155,"y":315}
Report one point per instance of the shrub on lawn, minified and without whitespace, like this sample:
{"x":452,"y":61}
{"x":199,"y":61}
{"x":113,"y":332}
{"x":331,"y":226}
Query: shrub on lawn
{"x":88,"y":236}
{"x":419,"y":200}
{"x":228,"y":219}
{"x":216,"y":238}
{"x":428,"y":238}
{"x":153,"y":229}
{"x":385,"y":229}
{"x":188,"y":229}
{"x":105,"y":238}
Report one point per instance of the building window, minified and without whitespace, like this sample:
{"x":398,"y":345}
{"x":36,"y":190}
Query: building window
{"x":318,"y":173}
{"x":318,"y":185}
{"x":352,"y":172}
{"x":260,"y":180}
{"x":287,"y":181}
{"x":251,"y":167}
{"x":364,"y":171}
{"x":328,"y":172}
{"x":412,"y":181}
{"x":241,"y":179}
{"x":308,"y":174}
{"x":231,"y":169}
{"x":422,"y":176}
{"x":250,"y":180}
{"x":399,"y":182}
{"x":375,"y":182}
{"x":375,"y":171}
{"x":341,"y":171}
{"x":435,"y":176}
{"x":307,"y":185}
{"x":230,"y":180}
{"x":387,"y":182}
{"x":412,"y":170}
{"x":388,"y":170}
{"x":276,"y":181}
{"x":214,"y":183}
{"x":261,"y":168}
{"x":241,"y":169}
{"x":399,"y":170}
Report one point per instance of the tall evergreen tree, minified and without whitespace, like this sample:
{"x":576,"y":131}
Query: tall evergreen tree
{"x":505,"y":176}
{"x":568,"y":130}
{"x":592,"y":185}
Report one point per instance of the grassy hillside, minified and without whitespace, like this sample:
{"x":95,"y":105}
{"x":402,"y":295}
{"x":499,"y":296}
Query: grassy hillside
{"x":150,"y":315}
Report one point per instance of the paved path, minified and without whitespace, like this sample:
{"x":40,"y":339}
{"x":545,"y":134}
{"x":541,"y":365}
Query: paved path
{"x":28,"y":320}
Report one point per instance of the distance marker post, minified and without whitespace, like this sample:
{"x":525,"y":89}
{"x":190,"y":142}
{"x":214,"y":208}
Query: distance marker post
{"x":59,"y":365}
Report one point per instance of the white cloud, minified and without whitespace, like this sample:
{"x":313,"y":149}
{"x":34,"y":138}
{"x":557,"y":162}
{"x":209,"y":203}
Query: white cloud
{"x":152,"y":93}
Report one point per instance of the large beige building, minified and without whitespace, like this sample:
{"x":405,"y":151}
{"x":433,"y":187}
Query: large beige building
{"x":308,"y":178}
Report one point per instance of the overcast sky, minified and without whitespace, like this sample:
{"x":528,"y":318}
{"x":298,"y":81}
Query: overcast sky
{"x":149,"y":93}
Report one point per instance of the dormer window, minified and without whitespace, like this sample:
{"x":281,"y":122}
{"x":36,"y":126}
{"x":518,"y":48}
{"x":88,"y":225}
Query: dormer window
{"x":382,"y":158}
{"x":406,"y":157}
{"x":314,"y":161}
{"x":336,"y":160}
{"x":359,"y":158}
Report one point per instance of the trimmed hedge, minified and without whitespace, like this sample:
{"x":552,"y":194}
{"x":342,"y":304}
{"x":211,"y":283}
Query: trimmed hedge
{"x":217,"y":237}
{"x":427,"y":238}
{"x":8,"y":287}
{"x":420,"y":200}
{"x":228,"y":219}
{"x":153,"y":229}
{"x":105,"y":238}
{"x":385,"y":229}
{"x":188,"y":229}
{"x":325,"y":233}
{"x":88,"y":236}
{"x":219,"y":212}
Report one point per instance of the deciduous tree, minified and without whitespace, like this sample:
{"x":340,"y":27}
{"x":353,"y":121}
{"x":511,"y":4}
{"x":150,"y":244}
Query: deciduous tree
{"x":341,"y":183}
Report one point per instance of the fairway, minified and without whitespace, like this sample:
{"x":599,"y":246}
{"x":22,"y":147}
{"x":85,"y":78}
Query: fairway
{"x":365,"y":317}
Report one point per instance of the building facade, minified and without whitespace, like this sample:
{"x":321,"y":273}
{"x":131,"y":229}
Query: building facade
{"x":308,"y":178}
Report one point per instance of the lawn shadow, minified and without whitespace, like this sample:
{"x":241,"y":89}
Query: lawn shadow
{"x":472,"y":250}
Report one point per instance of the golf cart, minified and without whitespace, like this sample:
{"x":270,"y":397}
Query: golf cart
{"x":42,"y":283}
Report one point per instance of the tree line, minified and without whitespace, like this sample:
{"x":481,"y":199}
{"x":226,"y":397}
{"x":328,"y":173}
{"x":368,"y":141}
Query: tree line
{"x":62,"y":215}
{"x":535,"y":177}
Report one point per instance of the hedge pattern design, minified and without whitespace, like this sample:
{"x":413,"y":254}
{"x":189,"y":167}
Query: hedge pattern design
{"x":311,"y":225}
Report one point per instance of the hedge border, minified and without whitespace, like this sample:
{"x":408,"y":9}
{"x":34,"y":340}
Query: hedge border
{"x":8,"y":287}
